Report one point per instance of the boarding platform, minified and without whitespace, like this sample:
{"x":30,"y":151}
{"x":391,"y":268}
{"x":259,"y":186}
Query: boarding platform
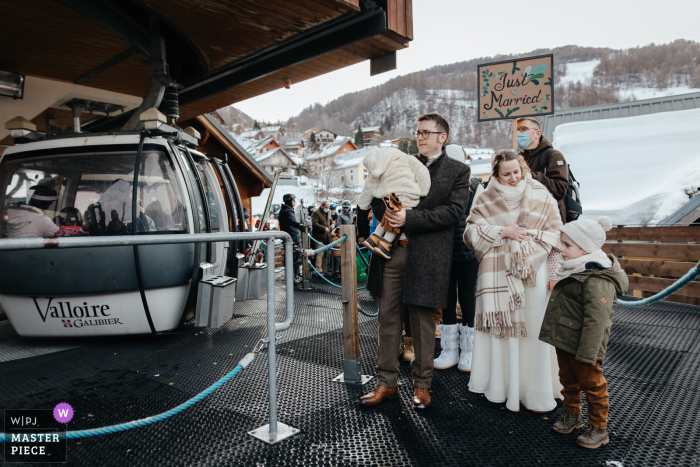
{"x":653,"y":370}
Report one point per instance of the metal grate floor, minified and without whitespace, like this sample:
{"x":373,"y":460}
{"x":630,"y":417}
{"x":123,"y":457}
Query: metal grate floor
{"x":653,"y":370}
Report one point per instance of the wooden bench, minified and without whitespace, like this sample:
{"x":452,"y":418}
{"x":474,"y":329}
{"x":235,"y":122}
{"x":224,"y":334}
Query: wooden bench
{"x":654,"y":257}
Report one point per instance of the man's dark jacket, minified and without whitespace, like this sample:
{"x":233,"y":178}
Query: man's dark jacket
{"x":557,"y":178}
{"x":429,"y":229}
{"x":461,"y":253}
{"x":288,"y":221}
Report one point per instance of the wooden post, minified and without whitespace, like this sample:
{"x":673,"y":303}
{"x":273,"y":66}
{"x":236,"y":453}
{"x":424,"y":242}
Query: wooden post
{"x":515,"y":134}
{"x":304,"y":261}
{"x":351,"y":341}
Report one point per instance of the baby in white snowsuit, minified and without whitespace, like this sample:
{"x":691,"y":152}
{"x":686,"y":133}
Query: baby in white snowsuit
{"x":400,"y":180}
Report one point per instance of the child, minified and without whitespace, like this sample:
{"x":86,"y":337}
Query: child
{"x":578,"y":321}
{"x":400,"y":180}
{"x":335,"y":261}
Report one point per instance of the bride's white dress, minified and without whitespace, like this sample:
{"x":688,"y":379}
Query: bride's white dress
{"x":519,"y":369}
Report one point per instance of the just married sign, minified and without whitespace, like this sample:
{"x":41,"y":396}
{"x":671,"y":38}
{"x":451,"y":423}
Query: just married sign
{"x":516,"y":88}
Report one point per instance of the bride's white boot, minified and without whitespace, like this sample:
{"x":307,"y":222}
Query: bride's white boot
{"x":450,"y":347}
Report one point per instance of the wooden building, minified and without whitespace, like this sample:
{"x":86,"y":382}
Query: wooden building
{"x":219,"y":52}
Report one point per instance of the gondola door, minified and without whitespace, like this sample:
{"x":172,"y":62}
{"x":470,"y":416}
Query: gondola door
{"x":235,"y":212}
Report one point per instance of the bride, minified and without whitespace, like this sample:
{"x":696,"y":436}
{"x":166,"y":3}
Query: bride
{"x":514,"y":228}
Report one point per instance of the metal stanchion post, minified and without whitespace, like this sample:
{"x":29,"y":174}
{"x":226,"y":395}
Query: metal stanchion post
{"x":304,"y":263}
{"x":274,"y":431}
{"x":352,"y":368}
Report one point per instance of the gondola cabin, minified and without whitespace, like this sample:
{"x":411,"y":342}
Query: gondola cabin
{"x":85,"y":185}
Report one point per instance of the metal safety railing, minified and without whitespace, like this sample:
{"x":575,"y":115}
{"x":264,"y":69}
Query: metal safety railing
{"x":268,"y":433}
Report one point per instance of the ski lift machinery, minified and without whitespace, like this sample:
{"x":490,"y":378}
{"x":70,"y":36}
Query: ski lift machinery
{"x":120,"y":290}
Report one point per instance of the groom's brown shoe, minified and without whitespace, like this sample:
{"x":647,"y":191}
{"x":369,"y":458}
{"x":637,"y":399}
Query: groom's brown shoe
{"x":421,"y":398}
{"x":379,"y":395}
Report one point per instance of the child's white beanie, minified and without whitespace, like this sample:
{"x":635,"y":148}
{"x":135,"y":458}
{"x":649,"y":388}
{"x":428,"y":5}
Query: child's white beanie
{"x":588,"y":234}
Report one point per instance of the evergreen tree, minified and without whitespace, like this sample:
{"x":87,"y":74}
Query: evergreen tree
{"x":403,"y":145}
{"x":413,"y":147}
{"x":381,"y":130}
{"x":256,"y":125}
{"x":313,"y":144}
{"x":387,"y":123}
{"x":359,"y":137}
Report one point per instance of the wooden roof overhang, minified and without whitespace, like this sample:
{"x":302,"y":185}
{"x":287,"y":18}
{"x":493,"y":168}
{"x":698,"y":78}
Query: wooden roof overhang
{"x":221,"y":51}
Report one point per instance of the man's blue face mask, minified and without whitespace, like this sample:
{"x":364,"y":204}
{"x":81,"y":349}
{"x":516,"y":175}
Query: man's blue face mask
{"x":246,"y":216}
{"x":524,"y":139}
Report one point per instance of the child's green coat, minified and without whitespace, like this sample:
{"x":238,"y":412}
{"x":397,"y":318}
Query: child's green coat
{"x":580,"y":312}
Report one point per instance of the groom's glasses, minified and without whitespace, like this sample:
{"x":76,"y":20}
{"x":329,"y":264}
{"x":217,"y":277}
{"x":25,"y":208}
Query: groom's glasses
{"x":425,"y":134}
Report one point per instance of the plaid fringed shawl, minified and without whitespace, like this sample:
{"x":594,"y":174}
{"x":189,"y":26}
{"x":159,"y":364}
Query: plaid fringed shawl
{"x":500,"y":299}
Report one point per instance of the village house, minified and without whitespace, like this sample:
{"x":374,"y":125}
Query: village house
{"x":277,"y":159}
{"x":237,"y":128}
{"x":325,"y":137}
{"x":249,"y":134}
{"x":306,"y":136}
{"x":474,"y":153}
{"x":324,"y":157}
{"x":368,"y":133}
{"x":277,"y":131}
{"x":351,"y":170}
{"x":293,"y":145}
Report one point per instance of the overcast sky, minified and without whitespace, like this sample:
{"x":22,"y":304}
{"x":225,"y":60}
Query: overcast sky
{"x":448,"y":31}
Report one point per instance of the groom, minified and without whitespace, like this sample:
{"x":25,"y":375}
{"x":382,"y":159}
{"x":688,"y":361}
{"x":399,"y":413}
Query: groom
{"x":417,"y":273}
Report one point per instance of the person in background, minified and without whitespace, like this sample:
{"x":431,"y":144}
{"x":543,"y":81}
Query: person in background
{"x":531,"y":144}
{"x":322,"y":225}
{"x":29,"y":220}
{"x":345,"y":216}
{"x":246,"y":220}
{"x":288,"y":223}
{"x":456,"y":340}
{"x":334,"y":214}
{"x":71,"y":223}
{"x":335,"y":257}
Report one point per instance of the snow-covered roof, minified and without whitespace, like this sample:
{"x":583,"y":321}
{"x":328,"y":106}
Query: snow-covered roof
{"x":369,"y":128}
{"x":479,"y":153}
{"x":249,"y":134}
{"x":352,"y":158}
{"x":618,"y":164}
{"x":291,"y":141}
{"x":331,"y":149}
{"x":254,"y":146}
{"x":272,"y":152}
{"x":270,"y":129}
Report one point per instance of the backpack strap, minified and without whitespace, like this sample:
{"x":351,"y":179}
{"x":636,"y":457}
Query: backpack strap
{"x":543,"y":161}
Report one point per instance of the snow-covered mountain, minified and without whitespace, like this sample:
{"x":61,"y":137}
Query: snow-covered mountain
{"x":584,"y":76}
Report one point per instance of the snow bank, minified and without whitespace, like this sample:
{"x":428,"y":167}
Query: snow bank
{"x":302,"y":192}
{"x":633,"y":169}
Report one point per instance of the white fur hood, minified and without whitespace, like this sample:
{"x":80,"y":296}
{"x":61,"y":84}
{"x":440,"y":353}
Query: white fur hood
{"x":392,"y":171}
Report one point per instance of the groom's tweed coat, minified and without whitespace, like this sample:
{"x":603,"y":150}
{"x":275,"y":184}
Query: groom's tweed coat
{"x":429,"y":229}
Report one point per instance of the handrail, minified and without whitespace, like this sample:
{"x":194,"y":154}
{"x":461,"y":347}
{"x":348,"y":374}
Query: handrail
{"x":131,"y":240}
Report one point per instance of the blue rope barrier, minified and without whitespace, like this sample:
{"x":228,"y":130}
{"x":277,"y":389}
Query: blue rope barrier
{"x":334,"y":285}
{"x":154,"y":418}
{"x":331,"y":283}
{"x":362,"y":256}
{"x":689,"y":276}
{"x":329,"y":246}
{"x":334,"y":249}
